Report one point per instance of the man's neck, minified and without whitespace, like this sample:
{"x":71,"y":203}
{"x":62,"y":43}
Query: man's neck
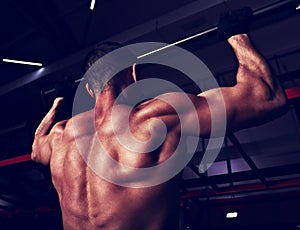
{"x":104,"y":102}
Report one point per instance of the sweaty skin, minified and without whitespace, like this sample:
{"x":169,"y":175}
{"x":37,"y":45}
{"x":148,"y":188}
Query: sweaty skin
{"x":90,"y":202}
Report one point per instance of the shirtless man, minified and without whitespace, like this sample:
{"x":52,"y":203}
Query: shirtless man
{"x":90,"y":202}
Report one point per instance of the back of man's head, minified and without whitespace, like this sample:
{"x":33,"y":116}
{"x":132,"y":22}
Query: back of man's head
{"x":98,"y":81}
{"x":99,"y":51}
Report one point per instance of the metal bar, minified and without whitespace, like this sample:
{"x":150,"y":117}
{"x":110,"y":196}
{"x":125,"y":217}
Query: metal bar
{"x":212,"y":29}
{"x":228,"y":160}
{"x":215,"y":28}
{"x":13,"y":128}
{"x":273,"y":6}
{"x":296,"y":106}
{"x":293,"y":93}
{"x":246,"y":157}
{"x":245,"y":175}
{"x":195,"y":170}
{"x":15,"y":160}
{"x":203,"y":150}
{"x":245,"y":188}
{"x":289,"y":76}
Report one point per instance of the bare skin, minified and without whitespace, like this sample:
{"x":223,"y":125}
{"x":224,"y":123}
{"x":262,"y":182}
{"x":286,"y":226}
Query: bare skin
{"x":90,"y":202}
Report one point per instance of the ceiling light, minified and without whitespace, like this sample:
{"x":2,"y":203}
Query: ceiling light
{"x":22,"y":62}
{"x":298,"y":7}
{"x":231,"y":215}
{"x":92,"y":4}
{"x":177,"y":42}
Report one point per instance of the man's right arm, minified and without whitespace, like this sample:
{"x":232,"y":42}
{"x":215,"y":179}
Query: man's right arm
{"x":255,"y":99}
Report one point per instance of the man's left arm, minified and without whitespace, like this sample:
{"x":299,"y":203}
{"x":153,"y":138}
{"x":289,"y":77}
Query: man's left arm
{"x":41,"y":147}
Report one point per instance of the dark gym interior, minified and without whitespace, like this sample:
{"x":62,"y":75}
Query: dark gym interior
{"x":257,"y":173}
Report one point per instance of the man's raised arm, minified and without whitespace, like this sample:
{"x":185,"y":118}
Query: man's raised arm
{"x":41,"y":148}
{"x":255,"y":99}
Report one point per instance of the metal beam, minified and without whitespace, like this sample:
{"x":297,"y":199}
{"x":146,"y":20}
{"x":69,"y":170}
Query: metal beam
{"x":271,"y":172}
{"x":246,"y":157}
{"x":242,"y":189}
{"x":15,"y":160}
{"x":13,"y":128}
{"x":205,"y":178}
{"x":293,"y":93}
{"x":296,"y":104}
{"x":228,"y":158}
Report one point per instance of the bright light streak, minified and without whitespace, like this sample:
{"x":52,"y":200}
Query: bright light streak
{"x":231,"y":215}
{"x":92,"y":4}
{"x":22,"y":62}
{"x":178,"y":42}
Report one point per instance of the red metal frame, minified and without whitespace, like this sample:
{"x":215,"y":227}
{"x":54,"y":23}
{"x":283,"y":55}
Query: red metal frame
{"x":245,"y":188}
{"x":15,"y":160}
{"x":293,"y":93}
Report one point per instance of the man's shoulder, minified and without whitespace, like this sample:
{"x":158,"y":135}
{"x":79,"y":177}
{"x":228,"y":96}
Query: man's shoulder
{"x":59,"y":126}
{"x":168,"y":97}
{"x":161,"y":105}
{"x":82,"y":124}
{"x":78,"y":123}
{"x":58,"y":129}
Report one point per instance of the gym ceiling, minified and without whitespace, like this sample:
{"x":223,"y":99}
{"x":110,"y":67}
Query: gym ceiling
{"x":260,"y":164}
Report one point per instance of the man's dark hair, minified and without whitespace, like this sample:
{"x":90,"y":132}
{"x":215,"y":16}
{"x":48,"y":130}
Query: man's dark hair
{"x":99,"y":81}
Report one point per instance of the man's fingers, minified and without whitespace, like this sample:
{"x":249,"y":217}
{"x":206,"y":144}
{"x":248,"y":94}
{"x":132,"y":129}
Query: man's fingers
{"x":47,"y":121}
{"x":57,"y":102}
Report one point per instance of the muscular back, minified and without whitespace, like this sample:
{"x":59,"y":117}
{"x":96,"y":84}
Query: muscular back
{"x":90,"y":202}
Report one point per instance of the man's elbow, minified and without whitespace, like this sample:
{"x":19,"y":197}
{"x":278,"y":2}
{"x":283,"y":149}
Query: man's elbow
{"x":282,"y":105}
{"x":270,"y":98}
{"x":34,"y":155}
{"x":277,"y":105}
{"x":35,"y":152}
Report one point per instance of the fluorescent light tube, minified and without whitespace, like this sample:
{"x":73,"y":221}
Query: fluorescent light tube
{"x":231,"y":215}
{"x":92,"y":4}
{"x":22,"y":62}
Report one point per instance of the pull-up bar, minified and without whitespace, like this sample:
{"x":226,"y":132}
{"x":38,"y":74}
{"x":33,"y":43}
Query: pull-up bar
{"x":215,"y":28}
